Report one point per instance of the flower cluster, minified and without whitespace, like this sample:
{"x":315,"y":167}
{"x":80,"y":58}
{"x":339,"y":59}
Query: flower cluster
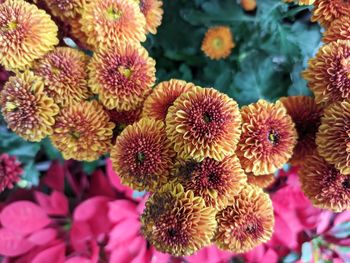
{"x":325,"y":174}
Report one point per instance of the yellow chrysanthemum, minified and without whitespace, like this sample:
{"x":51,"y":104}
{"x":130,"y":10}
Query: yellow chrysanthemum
{"x":326,"y":11}
{"x":153,"y":12}
{"x":218,"y":42}
{"x":26,"y":33}
{"x":261,"y":181}
{"x":122,"y":76}
{"x":66,"y":9}
{"x":109,"y":22}
{"x":83,"y":131}
{"x":178,"y":222}
{"x":268,"y":137}
{"x":64,"y":71}
{"x":163,"y":96}
{"x":339,"y":29}
{"x":26,"y":108}
{"x":204,"y":123}
{"x":247,"y":223}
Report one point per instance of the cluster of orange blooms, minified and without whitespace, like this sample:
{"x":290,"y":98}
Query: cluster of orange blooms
{"x":205,"y":160}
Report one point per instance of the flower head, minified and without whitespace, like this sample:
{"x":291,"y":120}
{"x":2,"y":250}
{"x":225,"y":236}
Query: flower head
{"x":306,"y":115}
{"x":153,"y":12}
{"x":338,"y":29}
{"x":142,"y":155}
{"x":66,"y":9}
{"x":83,"y":131}
{"x":301,"y":2}
{"x":122,"y":76}
{"x":204,"y":123}
{"x":268,"y":137}
{"x":248,"y":5}
{"x":247,"y":223}
{"x":26,"y":32}
{"x":328,"y":73}
{"x":109,"y":22}
{"x":10,"y":171}
{"x":214,"y":181}
{"x":163,"y":96}
{"x":26,"y":108}
{"x":324,"y":185}
{"x":76,"y":33}
{"x":177,"y":222}
{"x":326,"y":11}
{"x":218,"y":42}
{"x":64,"y":71}
{"x":261,"y":181}
{"x":333,"y":137}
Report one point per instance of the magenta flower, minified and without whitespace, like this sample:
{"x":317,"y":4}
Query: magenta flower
{"x":10,"y":171}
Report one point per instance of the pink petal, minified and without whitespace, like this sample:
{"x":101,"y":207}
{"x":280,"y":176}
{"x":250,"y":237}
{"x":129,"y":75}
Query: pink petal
{"x":43,"y":236}
{"x":122,"y":209}
{"x":13,"y":244}
{"x":101,"y":185}
{"x":270,"y":257}
{"x":78,"y":260}
{"x":24,"y":217}
{"x":323,"y":222}
{"x":88,"y":209}
{"x":55,"y":204}
{"x":342,"y":218}
{"x":122,"y":233}
{"x":53,"y":255}
{"x":54,"y":177}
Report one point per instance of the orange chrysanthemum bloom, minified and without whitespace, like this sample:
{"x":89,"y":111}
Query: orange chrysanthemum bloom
{"x":122,"y":77}
{"x":248,"y":5}
{"x":328,"y":73}
{"x":83,"y":131}
{"x":163,"y":96}
{"x":247,"y":223}
{"x":109,"y":22}
{"x":333,"y":137}
{"x":324,"y":185}
{"x":66,"y":9}
{"x":212,"y":180}
{"x":153,"y":12}
{"x":326,"y":11}
{"x":177,"y":222}
{"x":26,"y":108}
{"x":64,"y":71}
{"x":261,"y":181}
{"x":268,"y":137}
{"x":26,"y":32}
{"x":339,"y":29}
{"x":204,"y":123}
{"x":142,"y":155}
{"x":306,"y":115}
{"x":218,"y":42}
{"x":301,"y":2}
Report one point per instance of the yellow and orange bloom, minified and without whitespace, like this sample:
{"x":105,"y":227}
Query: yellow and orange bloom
{"x":339,"y":29}
{"x":268,"y":137}
{"x":204,"y":123}
{"x":333,"y":137}
{"x":83,"y":131}
{"x":26,"y":108}
{"x":248,"y":5}
{"x":122,"y":76}
{"x":328,"y":73}
{"x":78,"y":34}
{"x":26,"y":32}
{"x":301,"y":2}
{"x":142,"y":155}
{"x":64,"y":71}
{"x":163,"y":96}
{"x":324,"y":185}
{"x":247,"y":223}
{"x":153,"y":12}
{"x":306,"y":115}
{"x":214,"y":181}
{"x":326,"y":11}
{"x":109,"y":22}
{"x":261,"y":181}
{"x":177,"y":222}
{"x":218,"y":42}
{"x":67,"y":9}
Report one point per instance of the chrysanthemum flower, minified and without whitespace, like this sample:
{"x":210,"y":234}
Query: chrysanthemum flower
{"x":26,"y":108}
{"x":326,"y":11}
{"x":204,"y":123}
{"x":83,"y":131}
{"x":26,"y":34}
{"x":142,"y":155}
{"x":122,"y":76}
{"x":306,"y":115}
{"x":268,"y":137}
{"x":339,"y":29}
{"x":324,"y":185}
{"x":77,"y":34}
{"x":328,"y":73}
{"x":66,"y":9}
{"x":333,"y":137}
{"x":247,"y":223}
{"x":218,"y":42}
{"x":177,"y":222}
{"x":153,"y":12}
{"x":212,"y":180}
{"x":163,"y":96}
{"x":64,"y":71}
{"x":248,"y":5}
{"x":301,"y":2}
{"x":261,"y":181}
{"x":10,"y":171}
{"x":109,"y":22}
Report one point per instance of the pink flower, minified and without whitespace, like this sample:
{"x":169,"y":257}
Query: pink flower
{"x":10,"y":171}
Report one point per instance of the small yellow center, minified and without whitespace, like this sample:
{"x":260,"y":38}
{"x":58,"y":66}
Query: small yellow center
{"x":55,"y":71}
{"x":218,"y":43}
{"x":10,"y":106}
{"x":12,"y":25}
{"x":113,"y":14}
{"x":126,"y":72}
{"x":75,"y":134}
